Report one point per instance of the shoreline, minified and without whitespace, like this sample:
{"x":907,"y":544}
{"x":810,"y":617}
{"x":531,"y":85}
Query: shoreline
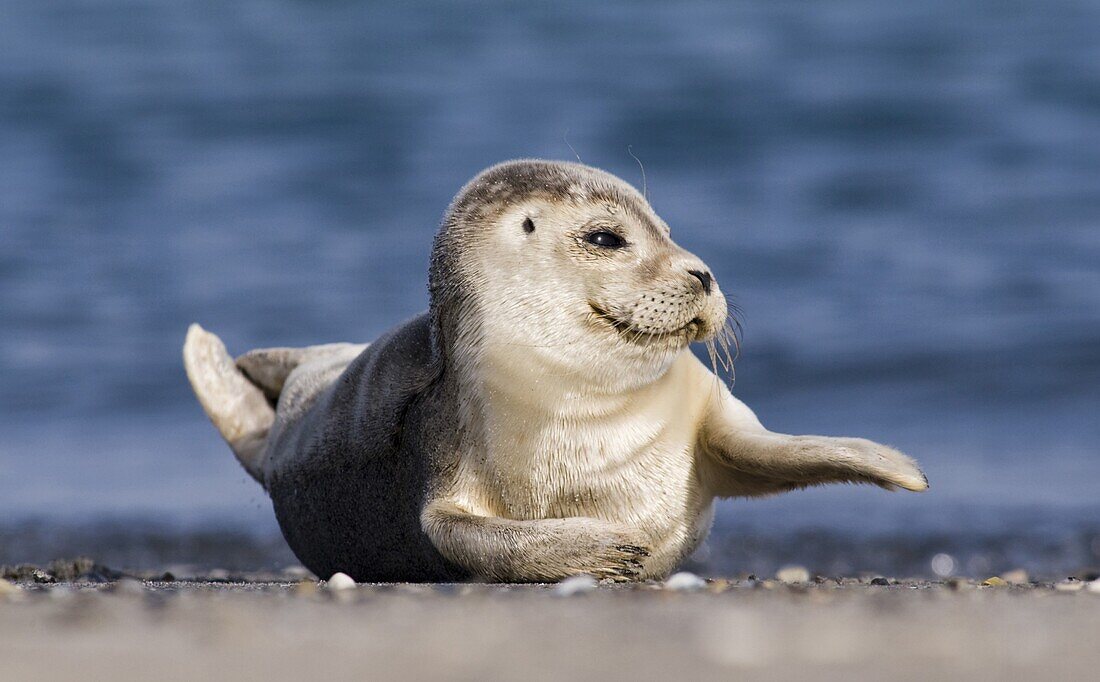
{"x":974,"y":541}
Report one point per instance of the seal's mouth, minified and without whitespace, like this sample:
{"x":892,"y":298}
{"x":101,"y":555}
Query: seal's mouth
{"x":689,"y":332}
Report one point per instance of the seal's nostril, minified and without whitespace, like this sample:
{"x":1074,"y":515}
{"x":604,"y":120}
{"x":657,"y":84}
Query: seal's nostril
{"x":703,"y":277}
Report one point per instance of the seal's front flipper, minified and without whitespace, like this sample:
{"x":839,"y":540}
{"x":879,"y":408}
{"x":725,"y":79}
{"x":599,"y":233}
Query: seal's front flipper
{"x":539,"y":550}
{"x":238,"y":408}
{"x":749,"y":460}
{"x":761,"y":464}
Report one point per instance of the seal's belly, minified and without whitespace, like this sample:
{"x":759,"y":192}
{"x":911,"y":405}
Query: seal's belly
{"x":643,"y":476}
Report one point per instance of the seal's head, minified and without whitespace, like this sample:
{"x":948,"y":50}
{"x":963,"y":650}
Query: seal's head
{"x":566,"y":267}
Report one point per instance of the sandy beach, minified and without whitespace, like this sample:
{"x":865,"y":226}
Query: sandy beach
{"x":826,"y":628}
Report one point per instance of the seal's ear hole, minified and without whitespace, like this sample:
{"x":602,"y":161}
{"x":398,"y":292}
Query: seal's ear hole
{"x":528,"y":225}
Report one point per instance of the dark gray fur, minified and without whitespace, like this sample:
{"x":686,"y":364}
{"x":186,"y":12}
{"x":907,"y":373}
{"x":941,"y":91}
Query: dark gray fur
{"x":348,"y":478}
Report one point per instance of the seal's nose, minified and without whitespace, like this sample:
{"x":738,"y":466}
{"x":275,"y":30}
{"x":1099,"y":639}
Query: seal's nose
{"x":703,"y":277}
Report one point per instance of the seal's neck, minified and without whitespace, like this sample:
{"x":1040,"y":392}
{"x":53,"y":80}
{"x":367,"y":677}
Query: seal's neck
{"x":540,"y":384}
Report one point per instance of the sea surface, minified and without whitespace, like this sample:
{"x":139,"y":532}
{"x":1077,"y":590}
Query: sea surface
{"x":903,"y":198}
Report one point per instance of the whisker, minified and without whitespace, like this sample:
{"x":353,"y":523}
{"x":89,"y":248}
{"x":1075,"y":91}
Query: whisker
{"x":645,"y":187}
{"x":725,"y":348}
{"x":712,"y":351}
{"x":730,"y":359}
{"x":565,"y":139}
{"x":734,"y":326}
{"x":724,"y":344}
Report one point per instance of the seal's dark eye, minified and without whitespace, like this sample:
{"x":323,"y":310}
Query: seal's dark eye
{"x":528,"y":225}
{"x":608,"y":240}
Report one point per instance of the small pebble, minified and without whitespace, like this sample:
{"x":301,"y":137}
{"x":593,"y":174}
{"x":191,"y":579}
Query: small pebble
{"x":43,"y":577}
{"x":340,"y":581}
{"x":578,"y":584}
{"x":1017,"y":577}
{"x":26,"y":573}
{"x":879,"y":581}
{"x":1069,"y":585}
{"x":685,"y":581}
{"x":718,"y":585}
{"x":994,"y":582}
{"x":793,"y":574}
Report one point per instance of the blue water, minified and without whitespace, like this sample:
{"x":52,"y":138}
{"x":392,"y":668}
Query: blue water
{"x":903,"y":197}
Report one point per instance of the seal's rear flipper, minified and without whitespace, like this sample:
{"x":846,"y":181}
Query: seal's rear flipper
{"x":269,"y":368}
{"x":237,"y":407}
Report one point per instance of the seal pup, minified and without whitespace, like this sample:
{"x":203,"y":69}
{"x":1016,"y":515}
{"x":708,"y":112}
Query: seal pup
{"x":544,"y":418}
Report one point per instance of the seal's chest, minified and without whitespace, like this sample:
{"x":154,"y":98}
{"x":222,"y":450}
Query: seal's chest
{"x":609,"y":469}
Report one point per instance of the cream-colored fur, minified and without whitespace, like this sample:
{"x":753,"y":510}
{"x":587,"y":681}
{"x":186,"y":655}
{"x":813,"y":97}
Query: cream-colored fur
{"x":568,"y":418}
